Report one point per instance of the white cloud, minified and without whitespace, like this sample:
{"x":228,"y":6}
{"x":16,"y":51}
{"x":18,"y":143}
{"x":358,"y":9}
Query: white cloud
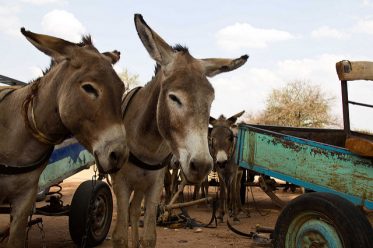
{"x":367,"y":3}
{"x":243,"y":35}
{"x":64,"y":25}
{"x":9,"y":20}
{"x":319,"y":69}
{"x":243,"y":89}
{"x":247,"y":88}
{"x":43,"y":2}
{"x":364,"y":26}
{"x":328,"y":32}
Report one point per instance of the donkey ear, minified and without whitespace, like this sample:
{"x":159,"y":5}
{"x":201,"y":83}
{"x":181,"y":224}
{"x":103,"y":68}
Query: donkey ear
{"x":113,"y":56}
{"x":215,"y":66}
{"x":158,"y":49}
{"x":56,"y":48}
{"x":212,"y":120}
{"x":234,"y":118}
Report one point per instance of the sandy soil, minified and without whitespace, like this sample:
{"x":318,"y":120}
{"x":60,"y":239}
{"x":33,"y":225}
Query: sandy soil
{"x":57,"y":233}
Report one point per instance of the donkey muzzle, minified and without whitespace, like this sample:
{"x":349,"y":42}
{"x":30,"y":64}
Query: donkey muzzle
{"x":111,"y":158}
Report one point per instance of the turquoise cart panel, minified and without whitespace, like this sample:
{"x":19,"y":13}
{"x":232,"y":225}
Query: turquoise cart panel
{"x":306,"y":163}
{"x":67,"y":159}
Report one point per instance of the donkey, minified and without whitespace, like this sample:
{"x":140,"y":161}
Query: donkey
{"x":169,"y":115}
{"x":79,"y":95}
{"x":222,"y":150}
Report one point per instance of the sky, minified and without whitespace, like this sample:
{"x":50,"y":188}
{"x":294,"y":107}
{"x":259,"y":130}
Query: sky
{"x":286,"y":41}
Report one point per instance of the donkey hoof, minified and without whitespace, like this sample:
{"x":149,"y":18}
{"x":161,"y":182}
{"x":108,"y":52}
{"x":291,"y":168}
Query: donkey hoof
{"x":119,"y":244}
{"x":147,"y":243}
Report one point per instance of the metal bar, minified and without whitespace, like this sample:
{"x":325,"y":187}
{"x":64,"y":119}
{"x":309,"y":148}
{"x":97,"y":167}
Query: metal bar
{"x":10,"y":81}
{"x":264,"y":229}
{"x":346,"y":114}
{"x":188,"y":204}
{"x":361,"y":104}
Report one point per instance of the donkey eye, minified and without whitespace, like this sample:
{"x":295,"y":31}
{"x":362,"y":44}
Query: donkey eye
{"x":88,"y":88}
{"x":175,"y":99}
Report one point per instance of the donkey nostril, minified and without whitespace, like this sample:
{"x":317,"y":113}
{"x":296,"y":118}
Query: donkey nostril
{"x":114,"y":157}
{"x":193,"y":166}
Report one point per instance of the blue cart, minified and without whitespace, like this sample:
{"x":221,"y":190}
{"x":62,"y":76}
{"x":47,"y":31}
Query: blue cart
{"x":316,"y":159}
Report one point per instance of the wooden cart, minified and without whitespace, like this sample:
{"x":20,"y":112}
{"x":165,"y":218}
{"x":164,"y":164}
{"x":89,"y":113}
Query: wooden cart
{"x":318,"y":160}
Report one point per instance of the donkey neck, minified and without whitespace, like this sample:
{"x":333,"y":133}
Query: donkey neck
{"x":46,"y":116}
{"x":13,"y":128}
{"x":143,"y":137}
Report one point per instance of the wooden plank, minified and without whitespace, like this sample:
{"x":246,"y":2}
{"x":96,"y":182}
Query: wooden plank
{"x":354,"y":70}
{"x":361,"y":146}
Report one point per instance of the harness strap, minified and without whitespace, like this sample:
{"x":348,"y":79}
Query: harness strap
{"x":38,"y":134}
{"x":134,"y":160}
{"x":11,"y":170}
{"x":34,"y":130}
{"x":126,"y":100}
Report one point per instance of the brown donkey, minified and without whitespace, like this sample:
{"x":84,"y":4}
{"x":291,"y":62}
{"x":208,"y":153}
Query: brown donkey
{"x":79,"y":95}
{"x":169,"y":115}
{"x":222,"y":147}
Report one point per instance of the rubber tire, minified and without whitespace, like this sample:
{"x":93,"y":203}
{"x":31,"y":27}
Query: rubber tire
{"x":353,"y":228}
{"x":79,"y":213}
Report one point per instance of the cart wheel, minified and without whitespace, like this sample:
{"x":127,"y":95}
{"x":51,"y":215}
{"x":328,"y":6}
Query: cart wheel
{"x":101,"y":213}
{"x":322,"y":220}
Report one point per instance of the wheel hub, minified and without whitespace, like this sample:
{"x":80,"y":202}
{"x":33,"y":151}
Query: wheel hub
{"x":316,"y":233}
{"x":99,"y":213}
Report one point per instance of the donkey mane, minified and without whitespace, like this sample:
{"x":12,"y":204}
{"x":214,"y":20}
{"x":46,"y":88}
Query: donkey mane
{"x":176,"y":48}
{"x":180,"y":48}
{"x":46,"y":70}
{"x":86,"y":41}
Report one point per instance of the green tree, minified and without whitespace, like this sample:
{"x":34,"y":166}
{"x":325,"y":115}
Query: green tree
{"x":298,"y":104}
{"x":130,"y":80}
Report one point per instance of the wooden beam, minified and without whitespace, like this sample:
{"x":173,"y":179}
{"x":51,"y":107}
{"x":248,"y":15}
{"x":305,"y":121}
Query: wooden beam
{"x":354,"y":70}
{"x":361,"y":146}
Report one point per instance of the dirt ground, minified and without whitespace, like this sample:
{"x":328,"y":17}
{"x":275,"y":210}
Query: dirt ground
{"x":262,"y":212}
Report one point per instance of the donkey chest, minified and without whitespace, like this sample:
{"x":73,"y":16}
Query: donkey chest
{"x":135,"y":176}
{"x":15,"y":186}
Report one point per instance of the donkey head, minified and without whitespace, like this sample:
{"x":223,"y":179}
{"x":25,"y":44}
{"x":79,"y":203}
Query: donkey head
{"x":222,"y":138}
{"x":185,"y":99}
{"x":85,"y":92}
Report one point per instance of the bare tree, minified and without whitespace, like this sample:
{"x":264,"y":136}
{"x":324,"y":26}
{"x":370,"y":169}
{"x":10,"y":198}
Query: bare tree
{"x":298,"y":104}
{"x":130,"y":80}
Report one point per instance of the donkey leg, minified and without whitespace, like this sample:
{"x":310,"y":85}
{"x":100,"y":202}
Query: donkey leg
{"x":21,"y":209}
{"x":122,"y":193}
{"x":238,"y":190}
{"x":167,"y":186}
{"x":222,"y":198}
{"x":152,"y":199}
{"x":135,"y":212}
{"x":197,"y":188}
{"x":205,"y":188}
{"x":234,"y":198}
{"x":223,"y":202}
